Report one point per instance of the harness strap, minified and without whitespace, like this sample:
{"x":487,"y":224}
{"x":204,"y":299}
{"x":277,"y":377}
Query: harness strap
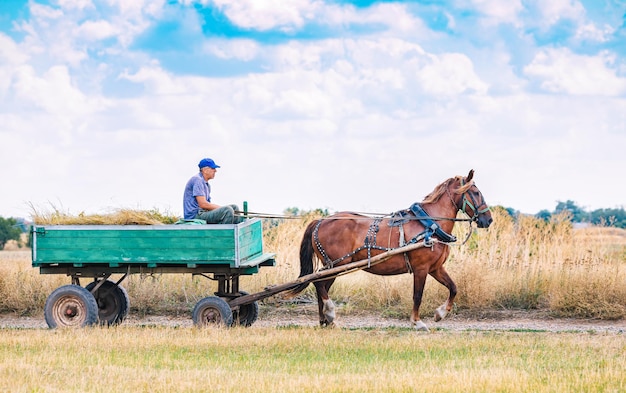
{"x":316,"y":238}
{"x":370,"y":239}
{"x":431,"y":227}
{"x":402,"y":243}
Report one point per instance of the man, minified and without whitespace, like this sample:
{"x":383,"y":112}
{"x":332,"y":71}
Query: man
{"x":197,"y":198}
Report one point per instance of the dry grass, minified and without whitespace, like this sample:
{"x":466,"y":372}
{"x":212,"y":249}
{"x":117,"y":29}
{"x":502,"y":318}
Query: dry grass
{"x":528,"y":264}
{"x":56,"y":216}
{"x":22,"y":289}
{"x":532,"y":264}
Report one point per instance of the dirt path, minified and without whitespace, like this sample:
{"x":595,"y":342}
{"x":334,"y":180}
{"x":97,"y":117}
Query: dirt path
{"x":505,"y":320}
{"x":307,"y":317}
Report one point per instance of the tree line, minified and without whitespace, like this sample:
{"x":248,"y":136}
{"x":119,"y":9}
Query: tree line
{"x":615,"y":217}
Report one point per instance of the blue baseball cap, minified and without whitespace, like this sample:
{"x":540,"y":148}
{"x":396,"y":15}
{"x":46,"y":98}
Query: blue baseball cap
{"x":207,"y":162}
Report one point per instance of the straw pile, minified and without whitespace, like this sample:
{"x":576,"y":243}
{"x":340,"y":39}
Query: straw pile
{"x":118,"y":217}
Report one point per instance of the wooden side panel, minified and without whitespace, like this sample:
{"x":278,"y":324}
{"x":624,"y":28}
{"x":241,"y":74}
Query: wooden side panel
{"x":123,"y":245}
{"x":250,"y":241}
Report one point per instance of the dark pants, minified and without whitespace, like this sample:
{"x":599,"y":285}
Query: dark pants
{"x":221,"y":215}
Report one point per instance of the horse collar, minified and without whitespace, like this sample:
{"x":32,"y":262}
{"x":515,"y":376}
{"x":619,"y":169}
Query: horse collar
{"x":431,"y":227}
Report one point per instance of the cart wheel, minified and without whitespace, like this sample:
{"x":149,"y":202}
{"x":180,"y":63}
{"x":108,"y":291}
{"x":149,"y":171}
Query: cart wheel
{"x":212,"y":310}
{"x":113,"y":302}
{"x":247,"y":313}
{"x":71,"y":306}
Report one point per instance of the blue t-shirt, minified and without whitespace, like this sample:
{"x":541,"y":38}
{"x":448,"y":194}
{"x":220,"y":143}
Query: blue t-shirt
{"x":195,"y":186}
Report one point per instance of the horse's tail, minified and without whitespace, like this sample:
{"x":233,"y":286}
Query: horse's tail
{"x":306,"y":259}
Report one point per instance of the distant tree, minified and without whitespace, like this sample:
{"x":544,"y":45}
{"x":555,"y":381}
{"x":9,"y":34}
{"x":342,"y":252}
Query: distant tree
{"x":9,"y":230}
{"x":291,"y":211}
{"x":544,"y":215}
{"x":23,"y":224}
{"x":610,"y":217}
{"x":577,"y":212}
{"x":294,"y":211}
{"x":512,"y":212}
{"x":323,"y":212}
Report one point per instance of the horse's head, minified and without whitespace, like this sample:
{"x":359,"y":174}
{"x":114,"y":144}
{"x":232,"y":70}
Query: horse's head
{"x":470,"y":200}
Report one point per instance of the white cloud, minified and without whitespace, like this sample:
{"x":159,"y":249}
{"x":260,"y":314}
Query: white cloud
{"x":394,"y":16}
{"x":138,"y":10}
{"x":328,"y":79}
{"x":10,"y":53}
{"x":269,"y":14}
{"x":241,"y":49}
{"x":43,"y":12}
{"x":554,"y":10}
{"x":10,"y":58}
{"x":289,"y":16}
{"x":158,"y":81}
{"x":450,"y":75}
{"x":75,"y":4}
{"x":562,"y":71}
{"x":53,"y":92}
{"x":58,"y":34}
{"x":96,"y":30}
{"x":589,"y":31}
{"x":498,"y":11}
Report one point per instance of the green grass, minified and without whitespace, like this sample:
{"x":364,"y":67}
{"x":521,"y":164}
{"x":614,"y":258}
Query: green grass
{"x":160,"y":359}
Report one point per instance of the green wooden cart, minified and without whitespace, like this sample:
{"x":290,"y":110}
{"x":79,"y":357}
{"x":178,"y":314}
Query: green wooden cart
{"x":221,"y":252}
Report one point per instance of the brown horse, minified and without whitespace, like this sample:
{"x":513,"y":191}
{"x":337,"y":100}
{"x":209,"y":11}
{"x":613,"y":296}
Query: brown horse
{"x":345,"y":237}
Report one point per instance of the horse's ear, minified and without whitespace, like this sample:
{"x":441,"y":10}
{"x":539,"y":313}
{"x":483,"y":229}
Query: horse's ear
{"x":470,"y":175}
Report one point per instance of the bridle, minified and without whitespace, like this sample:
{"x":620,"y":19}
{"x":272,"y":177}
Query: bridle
{"x":471,"y":203}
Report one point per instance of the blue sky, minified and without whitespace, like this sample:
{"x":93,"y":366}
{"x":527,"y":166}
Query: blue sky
{"x":344,"y":105}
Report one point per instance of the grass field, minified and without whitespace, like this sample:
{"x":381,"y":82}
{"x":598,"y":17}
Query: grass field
{"x":523,"y":265}
{"x":294,"y":359}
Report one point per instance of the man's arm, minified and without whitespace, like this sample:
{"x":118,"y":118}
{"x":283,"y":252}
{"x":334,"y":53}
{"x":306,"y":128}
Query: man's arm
{"x":204,"y":204}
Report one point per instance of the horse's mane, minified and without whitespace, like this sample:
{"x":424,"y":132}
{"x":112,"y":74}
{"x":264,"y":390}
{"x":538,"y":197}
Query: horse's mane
{"x":434,"y":196}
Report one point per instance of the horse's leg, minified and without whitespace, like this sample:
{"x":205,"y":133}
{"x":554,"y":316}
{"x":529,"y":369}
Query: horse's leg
{"x":419,"y":280}
{"x":442,"y":276}
{"x":325,"y":304}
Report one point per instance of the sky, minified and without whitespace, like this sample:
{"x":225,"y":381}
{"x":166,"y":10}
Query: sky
{"x":341,"y":105}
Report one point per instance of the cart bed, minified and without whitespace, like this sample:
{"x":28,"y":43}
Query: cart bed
{"x":215,"y":247}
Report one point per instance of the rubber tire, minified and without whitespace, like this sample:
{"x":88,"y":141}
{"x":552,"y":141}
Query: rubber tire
{"x":247,"y":313}
{"x":71,"y":306}
{"x":212,"y":310}
{"x":113,"y":307}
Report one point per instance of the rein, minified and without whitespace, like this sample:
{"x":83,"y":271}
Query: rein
{"x":368,"y":216}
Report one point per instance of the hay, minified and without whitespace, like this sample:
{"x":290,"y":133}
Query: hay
{"x":118,"y":217}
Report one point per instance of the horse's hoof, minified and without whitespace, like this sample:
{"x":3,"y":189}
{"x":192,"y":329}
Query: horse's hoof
{"x":421,"y":327}
{"x":327,"y":324}
{"x":440,"y":313}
